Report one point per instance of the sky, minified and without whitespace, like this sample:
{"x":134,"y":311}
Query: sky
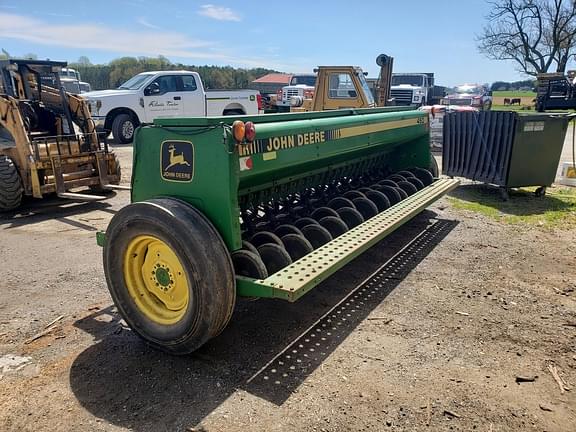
{"x":290,"y":36}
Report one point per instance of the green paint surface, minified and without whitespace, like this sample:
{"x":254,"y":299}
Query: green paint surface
{"x":162,"y":276}
{"x":226,"y":178}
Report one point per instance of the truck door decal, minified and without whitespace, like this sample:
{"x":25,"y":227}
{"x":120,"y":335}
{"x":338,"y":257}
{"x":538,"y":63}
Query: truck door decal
{"x":177,"y":161}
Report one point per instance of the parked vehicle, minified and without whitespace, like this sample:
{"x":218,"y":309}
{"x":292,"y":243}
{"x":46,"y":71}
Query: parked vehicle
{"x":415,"y":89}
{"x":151,"y":95}
{"x":73,"y":77}
{"x":69,"y":79}
{"x":47,"y":139}
{"x":301,"y":85}
{"x":473,"y":95}
{"x":556,"y":91}
{"x":269,"y":86}
{"x":336,"y":87}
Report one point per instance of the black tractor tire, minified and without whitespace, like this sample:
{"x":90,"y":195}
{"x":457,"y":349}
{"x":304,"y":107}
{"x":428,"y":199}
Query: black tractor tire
{"x":263,"y":237}
{"x":282,"y":230}
{"x":406,"y":174}
{"x":408,"y":187}
{"x":297,"y":246}
{"x":275,"y":257}
{"x":317,"y":235}
{"x":353,"y":194}
{"x":335,"y":225}
{"x":391,"y":193}
{"x":246,"y":245}
{"x":338,"y":202}
{"x":379,"y":199}
{"x":351,"y":217}
{"x":434,"y":170}
{"x":206,"y":269}
{"x":402,"y":193}
{"x":396,"y":178}
{"x":322,"y":212}
{"x":416,"y":182}
{"x":366,"y":207}
{"x":249,"y":264}
{"x":390,"y":183}
{"x":302,"y":222}
{"x":424,"y":176}
{"x":123,"y":128}
{"x":11,"y":190}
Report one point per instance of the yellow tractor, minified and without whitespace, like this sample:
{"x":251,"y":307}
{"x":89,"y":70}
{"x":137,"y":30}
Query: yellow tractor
{"x":48,"y":140}
{"x":345,"y":87}
{"x":339,"y":87}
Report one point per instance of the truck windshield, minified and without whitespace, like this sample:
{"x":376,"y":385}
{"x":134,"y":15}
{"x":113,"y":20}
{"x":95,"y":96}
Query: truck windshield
{"x":304,"y":80}
{"x":366,"y":88}
{"x":71,"y":86}
{"x":469,"y":89}
{"x":135,"y":82}
{"x":70,"y":73}
{"x":413,"y":80}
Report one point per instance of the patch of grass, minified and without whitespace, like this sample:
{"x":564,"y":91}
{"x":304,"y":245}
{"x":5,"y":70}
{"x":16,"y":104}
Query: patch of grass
{"x":556,"y":210}
{"x":514,"y":93}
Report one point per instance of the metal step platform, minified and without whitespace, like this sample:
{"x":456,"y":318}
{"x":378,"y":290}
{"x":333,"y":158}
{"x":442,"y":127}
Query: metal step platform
{"x":294,"y":281}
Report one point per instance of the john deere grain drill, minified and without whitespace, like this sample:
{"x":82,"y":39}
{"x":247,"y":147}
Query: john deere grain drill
{"x":266,"y":206}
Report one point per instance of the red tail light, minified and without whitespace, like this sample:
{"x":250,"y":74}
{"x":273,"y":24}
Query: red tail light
{"x":259,"y":100}
{"x":249,"y":131}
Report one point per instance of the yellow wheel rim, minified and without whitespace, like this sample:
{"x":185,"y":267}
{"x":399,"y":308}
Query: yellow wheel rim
{"x":156,"y":280}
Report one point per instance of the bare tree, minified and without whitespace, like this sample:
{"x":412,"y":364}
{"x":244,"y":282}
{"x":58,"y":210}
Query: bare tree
{"x":538,"y":35}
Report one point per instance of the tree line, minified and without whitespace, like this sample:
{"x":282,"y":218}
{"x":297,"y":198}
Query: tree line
{"x":513,"y":86}
{"x":114,"y":73}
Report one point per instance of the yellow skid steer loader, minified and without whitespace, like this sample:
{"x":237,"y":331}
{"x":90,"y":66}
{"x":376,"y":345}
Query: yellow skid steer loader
{"x":48,"y":140}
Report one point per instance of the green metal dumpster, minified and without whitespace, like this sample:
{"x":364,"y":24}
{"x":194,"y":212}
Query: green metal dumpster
{"x":504,"y":148}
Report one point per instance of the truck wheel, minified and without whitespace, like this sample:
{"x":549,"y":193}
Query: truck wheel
{"x":123,"y":128}
{"x":434,"y":167}
{"x":233,"y":112}
{"x":10,"y":185}
{"x":169,"y":274}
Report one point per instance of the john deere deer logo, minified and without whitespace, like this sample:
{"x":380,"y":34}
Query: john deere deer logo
{"x":177,"y":159}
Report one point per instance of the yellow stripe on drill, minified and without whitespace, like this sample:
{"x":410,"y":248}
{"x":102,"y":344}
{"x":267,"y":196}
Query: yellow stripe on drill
{"x":379,"y":127}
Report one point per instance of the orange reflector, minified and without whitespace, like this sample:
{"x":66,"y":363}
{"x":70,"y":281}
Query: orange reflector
{"x":238,"y":130}
{"x":250,"y":131}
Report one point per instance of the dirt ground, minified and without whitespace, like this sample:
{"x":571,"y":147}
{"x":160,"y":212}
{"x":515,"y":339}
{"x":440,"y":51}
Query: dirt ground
{"x":461,"y":328}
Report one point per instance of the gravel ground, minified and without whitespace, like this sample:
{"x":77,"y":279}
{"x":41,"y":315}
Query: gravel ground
{"x":437,"y":340}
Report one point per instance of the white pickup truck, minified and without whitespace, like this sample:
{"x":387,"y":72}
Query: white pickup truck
{"x":151,"y":95}
{"x":301,"y":85}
